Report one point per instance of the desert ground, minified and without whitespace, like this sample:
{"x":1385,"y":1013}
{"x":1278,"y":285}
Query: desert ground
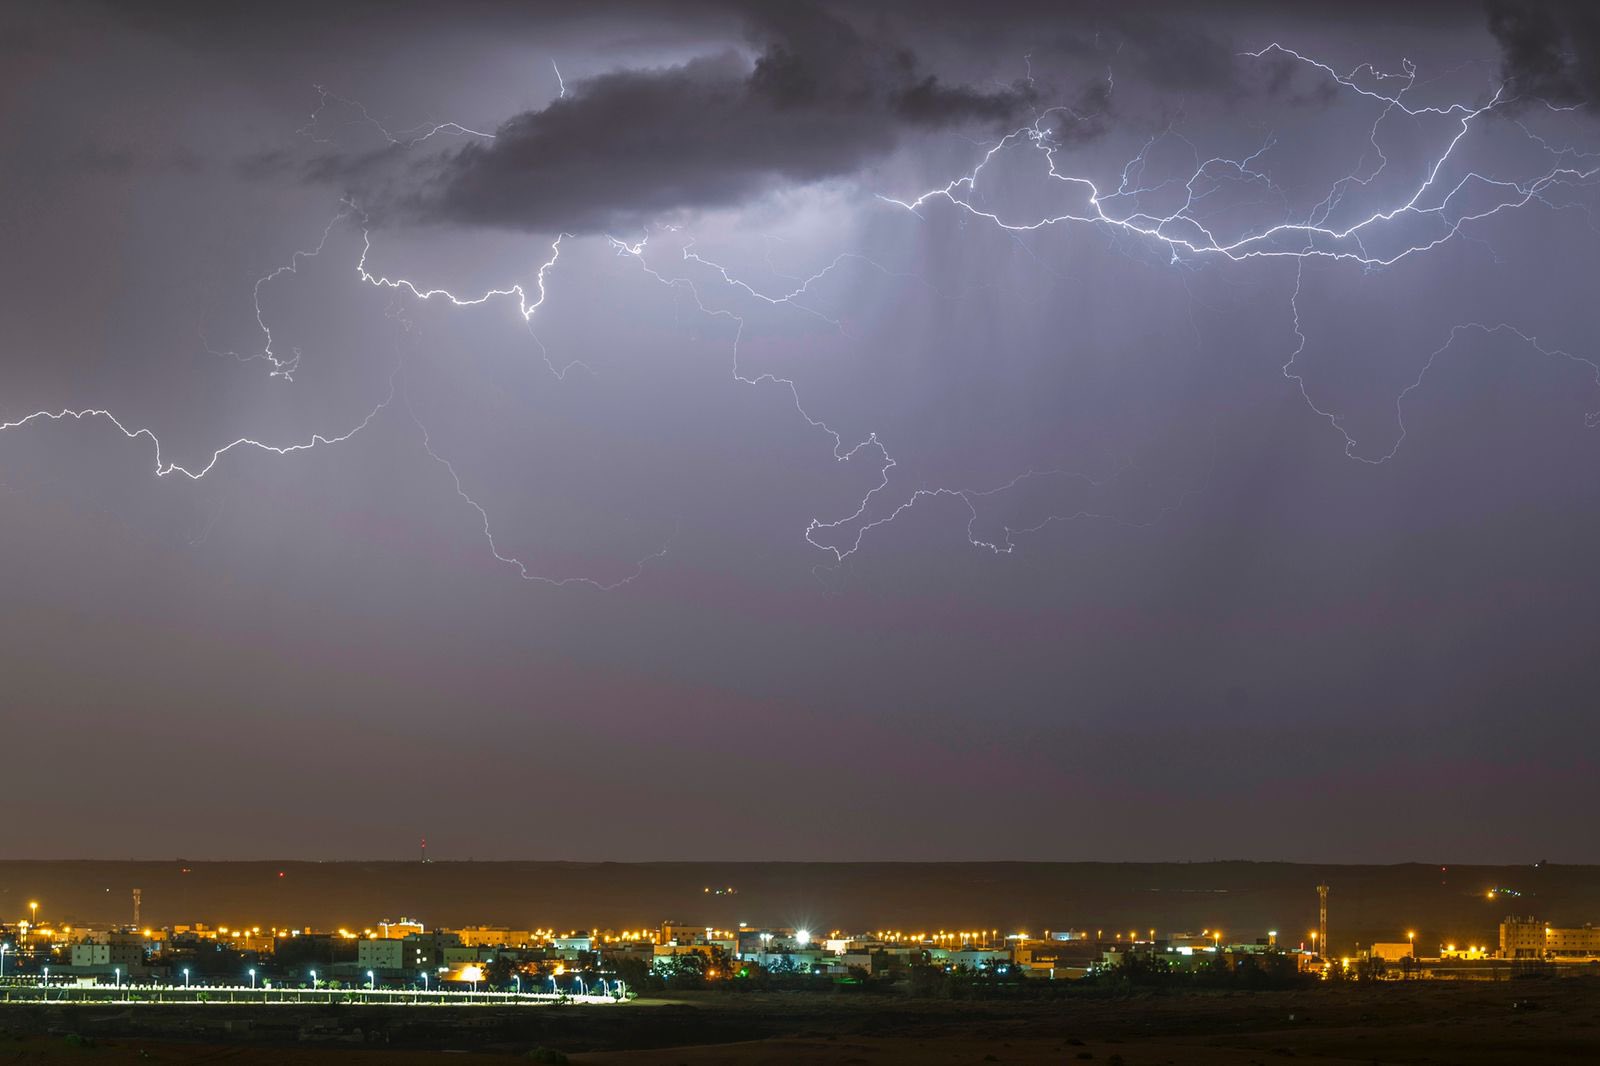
{"x":1523,"y":1021}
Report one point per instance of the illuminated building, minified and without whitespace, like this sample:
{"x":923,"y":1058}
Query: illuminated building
{"x":1392,"y":951}
{"x":400,"y":930}
{"x":494,"y":936}
{"x":124,"y":951}
{"x":573,"y":944}
{"x":389,"y":955}
{"x":1527,"y":938}
{"x":677,"y":933}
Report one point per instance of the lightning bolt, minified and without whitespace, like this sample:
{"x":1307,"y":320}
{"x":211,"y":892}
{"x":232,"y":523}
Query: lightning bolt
{"x":408,"y":138}
{"x":1436,"y":205}
{"x":163,"y":468}
{"x":1185,"y":237}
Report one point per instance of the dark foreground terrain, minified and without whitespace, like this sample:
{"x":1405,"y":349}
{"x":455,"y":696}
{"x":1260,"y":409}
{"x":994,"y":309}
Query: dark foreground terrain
{"x":1526,"y":1021}
{"x":1443,"y":904}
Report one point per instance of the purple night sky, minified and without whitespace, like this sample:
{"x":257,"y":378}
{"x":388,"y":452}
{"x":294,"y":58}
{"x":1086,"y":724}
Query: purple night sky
{"x":800,"y":431}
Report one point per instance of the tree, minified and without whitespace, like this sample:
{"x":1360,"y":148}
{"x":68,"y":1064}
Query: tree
{"x":637,"y":974}
{"x":499,"y":971}
{"x":684,"y":970}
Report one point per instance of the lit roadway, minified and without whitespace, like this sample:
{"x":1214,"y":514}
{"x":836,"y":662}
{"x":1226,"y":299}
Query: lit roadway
{"x":146,"y":995}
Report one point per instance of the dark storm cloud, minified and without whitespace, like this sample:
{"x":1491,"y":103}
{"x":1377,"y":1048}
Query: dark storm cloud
{"x":1550,"y":51}
{"x":832,"y":89}
{"x":820,"y":101}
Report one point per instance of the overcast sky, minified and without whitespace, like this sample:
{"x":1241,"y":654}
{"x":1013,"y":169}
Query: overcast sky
{"x":831,"y":431}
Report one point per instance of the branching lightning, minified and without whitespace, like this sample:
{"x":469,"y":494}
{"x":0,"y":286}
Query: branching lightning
{"x":1436,"y":209}
{"x":408,"y":138}
{"x":163,"y":468}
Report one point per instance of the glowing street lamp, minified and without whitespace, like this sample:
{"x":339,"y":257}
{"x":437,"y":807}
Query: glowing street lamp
{"x":252,"y":978}
{"x":372,"y":982}
{"x":33,"y":905}
{"x":185,"y":977}
{"x":313,"y":980}
{"x":518,"y":978}
{"x":117,"y":971}
{"x":3,"y":949}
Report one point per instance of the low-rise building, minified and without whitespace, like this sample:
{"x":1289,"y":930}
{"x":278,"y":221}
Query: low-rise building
{"x":573,"y":944}
{"x":497,"y":936}
{"x":1528,"y":938}
{"x":401,"y":929}
{"x":678,"y":933}
{"x":970,"y":958}
{"x":1392,"y":951}
{"x":1521,"y":938}
{"x":1570,"y":941}
{"x":414,"y":953}
{"x":108,"y":953}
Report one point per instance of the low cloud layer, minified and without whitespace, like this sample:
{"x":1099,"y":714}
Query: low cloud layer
{"x":1550,"y":51}
{"x":820,"y":101}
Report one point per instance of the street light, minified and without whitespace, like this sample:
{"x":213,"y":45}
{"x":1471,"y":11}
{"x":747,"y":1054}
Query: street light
{"x":518,"y":978}
{"x":3,"y":949}
{"x":118,"y":972}
{"x":372,"y":982}
{"x":186,"y":977}
{"x":252,"y":979}
{"x":33,"y":905}
{"x":313,"y":980}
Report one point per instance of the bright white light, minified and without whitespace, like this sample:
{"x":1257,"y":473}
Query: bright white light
{"x":802,"y":937}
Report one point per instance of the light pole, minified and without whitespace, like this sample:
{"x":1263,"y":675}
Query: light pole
{"x":47,"y":982}
{"x":33,"y":906}
{"x":117,"y":971}
{"x":372,"y":982}
{"x":252,"y":979}
{"x":313,"y":980}
{"x":186,"y":977}
{"x":3,"y":949}
{"x":518,"y":978}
